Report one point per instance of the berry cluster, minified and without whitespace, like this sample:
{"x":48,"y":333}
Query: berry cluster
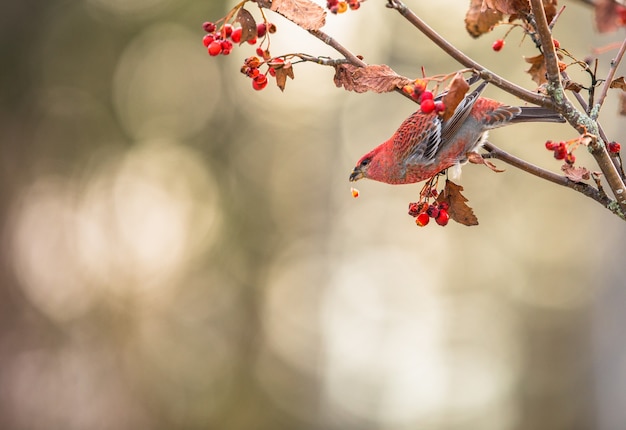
{"x":424,"y":211}
{"x":561,"y":151}
{"x":336,"y":6}
{"x":614,"y":147}
{"x":220,"y":41}
{"x":418,"y":92}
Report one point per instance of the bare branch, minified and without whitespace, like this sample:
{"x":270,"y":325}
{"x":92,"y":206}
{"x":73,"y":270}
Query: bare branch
{"x":609,"y":78}
{"x":583,"y":188}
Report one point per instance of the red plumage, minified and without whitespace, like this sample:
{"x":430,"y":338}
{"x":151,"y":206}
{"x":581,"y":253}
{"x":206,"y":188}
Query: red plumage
{"x":425,"y":145}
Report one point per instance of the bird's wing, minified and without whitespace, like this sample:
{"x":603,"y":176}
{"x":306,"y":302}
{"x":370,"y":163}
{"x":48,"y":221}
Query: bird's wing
{"x":451,"y":126}
{"x":427,"y":133}
{"x":418,"y":138}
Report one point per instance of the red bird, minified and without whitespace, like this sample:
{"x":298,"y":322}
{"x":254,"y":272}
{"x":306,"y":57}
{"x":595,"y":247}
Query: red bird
{"x":426,"y":145}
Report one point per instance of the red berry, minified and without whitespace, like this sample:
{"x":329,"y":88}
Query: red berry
{"x":439,"y":106}
{"x":557,"y":44}
{"x":427,"y":105}
{"x":227,"y":30}
{"x":570,"y":158}
{"x":236,"y":35}
{"x":272,"y":72}
{"x":551,"y":145}
{"x":271,"y":28}
{"x":443,"y":217}
{"x":414,"y":209}
{"x":261,"y":29}
{"x":422,"y":219}
{"x":334,"y":9}
{"x":215,"y":48}
{"x":432,"y":211}
{"x":561,"y":151}
{"x":207,"y":39}
{"x":498,"y":45}
{"x":426,"y":95}
{"x":208,"y":26}
{"x":354,"y":5}
{"x":227,"y":46}
{"x":259,"y":82}
{"x":252,"y":41}
{"x":443,"y":206}
{"x":331,"y":3}
{"x":614,"y":147}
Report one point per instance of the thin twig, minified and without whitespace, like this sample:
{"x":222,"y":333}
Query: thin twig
{"x":609,"y":77}
{"x":459,"y":56}
{"x":585,"y":189}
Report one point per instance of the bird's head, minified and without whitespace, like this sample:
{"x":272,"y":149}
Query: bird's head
{"x":369,"y":167}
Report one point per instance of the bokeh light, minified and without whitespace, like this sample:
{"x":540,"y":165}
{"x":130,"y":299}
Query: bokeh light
{"x":180,"y":251}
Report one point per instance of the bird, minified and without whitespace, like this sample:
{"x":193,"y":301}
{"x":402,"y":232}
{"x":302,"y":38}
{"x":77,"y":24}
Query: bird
{"x":425,"y":144}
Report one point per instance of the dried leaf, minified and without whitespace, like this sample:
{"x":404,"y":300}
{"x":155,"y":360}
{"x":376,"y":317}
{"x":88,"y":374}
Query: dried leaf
{"x":248,"y":25}
{"x":476,"y":158}
{"x":619,"y":83}
{"x":572,"y":86}
{"x":458,"y":210}
{"x":456,"y":92}
{"x":305,"y":13}
{"x":479,"y":21}
{"x":376,"y":78}
{"x":576,"y":174}
{"x":281,"y":75}
{"x":508,"y":7}
{"x":537,"y":69}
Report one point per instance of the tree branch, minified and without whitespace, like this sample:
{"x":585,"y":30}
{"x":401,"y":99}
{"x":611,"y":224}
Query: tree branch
{"x":466,"y":61}
{"x":609,"y":78}
{"x":585,"y":189}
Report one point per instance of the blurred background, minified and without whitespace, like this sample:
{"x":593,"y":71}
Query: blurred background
{"x":179,"y":251}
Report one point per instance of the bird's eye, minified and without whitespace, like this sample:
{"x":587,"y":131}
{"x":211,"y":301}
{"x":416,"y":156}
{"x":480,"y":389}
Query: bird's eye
{"x":365,"y":162}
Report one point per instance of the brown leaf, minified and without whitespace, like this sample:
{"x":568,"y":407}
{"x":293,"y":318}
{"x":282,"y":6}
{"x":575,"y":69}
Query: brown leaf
{"x":508,"y":7}
{"x":572,"y":86}
{"x":248,"y":25}
{"x":305,"y":13}
{"x":456,"y":92}
{"x":479,"y":21}
{"x":537,"y":69}
{"x":576,"y":174}
{"x":476,"y":158}
{"x":281,"y":75}
{"x":458,"y":210}
{"x":376,"y":78}
{"x":619,"y":83}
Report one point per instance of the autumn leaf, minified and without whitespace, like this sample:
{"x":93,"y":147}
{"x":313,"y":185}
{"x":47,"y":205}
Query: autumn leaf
{"x":376,"y":78}
{"x":281,"y":75}
{"x":479,"y":21}
{"x":537,"y":69}
{"x":619,"y":83}
{"x":456,"y":92}
{"x":305,"y":13}
{"x":476,"y":158}
{"x":576,"y":174}
{"x":248,"y":25}
{"x":458,"y":210}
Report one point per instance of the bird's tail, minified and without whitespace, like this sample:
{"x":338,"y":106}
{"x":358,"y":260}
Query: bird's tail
{"x":537,"y":114}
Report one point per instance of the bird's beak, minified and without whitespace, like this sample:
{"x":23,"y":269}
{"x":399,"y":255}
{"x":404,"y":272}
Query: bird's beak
{"x":356,"y":175}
